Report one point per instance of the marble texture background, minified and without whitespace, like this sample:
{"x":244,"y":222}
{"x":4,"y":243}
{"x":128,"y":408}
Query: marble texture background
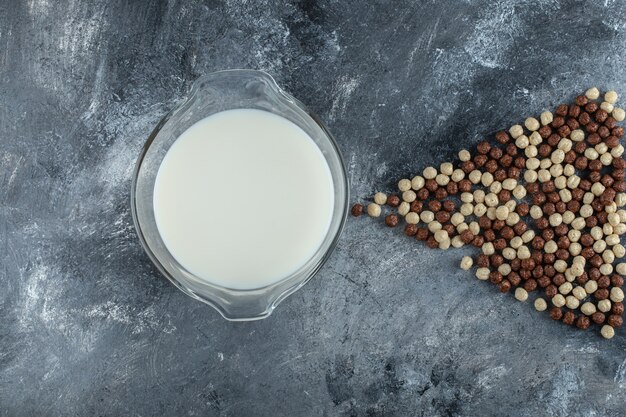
{"x":388,"y":327}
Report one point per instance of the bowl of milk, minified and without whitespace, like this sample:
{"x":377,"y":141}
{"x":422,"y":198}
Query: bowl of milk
{"x":239,"y":194}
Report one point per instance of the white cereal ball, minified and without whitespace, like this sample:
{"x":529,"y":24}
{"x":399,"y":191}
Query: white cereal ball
{"x":545,"y":163}
{"x":442,"y":180}
{"x":509,"y":253}
{"x":558,"y":300}
{"x":457,"y":175}
{"x":588,"y":308}
{"x":565,"y":145}
{"x":516,"y":243}
{"x":569,"y":170}
{"x":495,"y":187}
{"x":540,"y":304}
{"x":475,"y":176}
{"x":466,"y":263}
{"x":409,"y":196}
{"x":546,"y":118}
{"x":504,"y":269}
{"x":610,"y":97}
{"x":404,"y":208}
{"x":486,"y":179}
{"x":593,"y":93}
{"x":412,"y":218}
{"x":606,"y":159}
{"x":457,"y":219}
{"x":380,"y":198}
{"x":565,"y":288}
{"x":523,"y":252}
{"x":515,"y":131}
{"x":617,"y":295}
{"x":429,"y":173}
{"x":446,"y":168}
{"x":591,"y":154}
{"x":519,"y":192}
{"x":531,"y":124}
{"x":572,"y":302}
{"x":456,"y":242}
{"x":521,"y":294}
{"x":441,"y":236}
{"x":509,"y":184}
{"x":535,"y":138}
{"x":577,"y":135}
{"x":530,"y":176}
{"x":557,"y":156}
{"x":502,"y":213}
{"x":373,"y":210}
{"x":606,"y":106}
{"x":482,"y":274}
{"x":522,"y":141}
{"x":606,"y":269}
{"x":464,"y":155}
{"x":579,"y":293}
{"x":528,"y":236}
{"x":427,"y":216}
{"x":417,"y":183}
{"x":445,"y":244}
{"x":618,"y":114}
{"x":532,"y":163}
{"x":607,"y":331}
{"x":404,"y":185}
{"x":604,"y":306}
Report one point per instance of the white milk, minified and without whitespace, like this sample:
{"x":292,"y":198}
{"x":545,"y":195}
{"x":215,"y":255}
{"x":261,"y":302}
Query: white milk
{"x":243,"y":198}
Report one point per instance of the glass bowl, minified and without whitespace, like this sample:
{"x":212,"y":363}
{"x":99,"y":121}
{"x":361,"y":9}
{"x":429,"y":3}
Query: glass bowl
{"x":212,"y":93}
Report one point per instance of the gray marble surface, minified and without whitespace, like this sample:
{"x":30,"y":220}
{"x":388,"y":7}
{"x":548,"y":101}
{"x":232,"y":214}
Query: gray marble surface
{"x":388,"y":327}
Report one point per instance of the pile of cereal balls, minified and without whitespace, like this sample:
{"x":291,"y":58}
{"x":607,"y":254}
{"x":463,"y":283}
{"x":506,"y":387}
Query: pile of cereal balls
{"x":543,"y":202}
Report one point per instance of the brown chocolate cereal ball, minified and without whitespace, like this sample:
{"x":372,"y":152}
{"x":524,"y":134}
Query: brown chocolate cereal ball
{"x":584,"y":118}
{"x":465,"y":186}
{"x":514,"y":278}
{"x":502,"y":137}
{"x":592,"y":107}
{"x":547,"y":234}
{"x":431,"y":242}
{"x":511,"y":149}
{"x":467,"y":236}
{"x":558,"y":279}
{"x":598,"y":317}
{"x":357,"y":210}
{"x":556,"y":313}
{"x":423,"y":194}
{"x":569,"y":318}
{"x":600,"y":115}
{"x":416,"y":206}
{"x":520,"y":162}
{"x":422,"y":233}
{"x":615,"y":321}
{"x":391,"y":220}
{"x":545,"y":131}
{"x":452,"y":188}
{"x":489,"y":235}
{"x":530,"y":285}
{"x":482,"y":261}
{"x":591,"y":127}
{"x":522,"y":209}
{"x":483,"y":147}
{"x":583,"y":322}
{"x":491,"y":166}
{"x":495,"y":277}
{"x":551,"y":290}
{"x":572,"y":124}
{"x":617,"y":308}
{"x":467,"y":166}
{"x":441,"y":193}
{"x":504,"y":286}
{"x":410,"y":229}
{"x":601,"y":294}
{"x":574,"y":110}
{"x":617,"y":280}
{"x":393,"y":200}
{"x":558,"y":122}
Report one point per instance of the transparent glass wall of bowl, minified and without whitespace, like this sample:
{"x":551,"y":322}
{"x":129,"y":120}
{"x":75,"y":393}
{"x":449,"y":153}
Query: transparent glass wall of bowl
{"x":226,"y":90}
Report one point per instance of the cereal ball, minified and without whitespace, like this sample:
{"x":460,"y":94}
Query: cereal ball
{"x":380,"y":198}
{"x":417,"y":183}
{"x":558,"y":300}
{"x":540,"y":304}
{"x":464,"y":155}
{"x":607,"y":332}
{"x":515,"y":131}
{"x":374,"y":210}
{"x":591,"y":286}
{"x":618,"y":114}
{"x":593,"y":93}
{"x":404,"y":185}
{"x":521,"y":294}
{"x":546,"y":118}
{"x":482,"y":274}
{"x":412,"y":218}
{"x":606,"y":106}
{"x":466,"y":263}
{"x":429,"y":173}
{"x":604,"y":306}
{"x":404,"y":208}
{"x":610,"y":97}
{"x":579,"y":293}
{"x":588,"y":308}
{"x":621,"y":268}
{"x":531,"y":124}
{"x":409,"y":196}
{"x":446,"y":168}
{"x":572,"y":302}
{"x":617,"y":295}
